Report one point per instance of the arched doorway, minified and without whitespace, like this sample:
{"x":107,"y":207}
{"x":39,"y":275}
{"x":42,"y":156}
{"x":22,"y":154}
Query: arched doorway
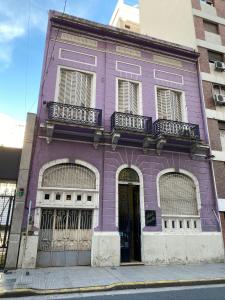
{"x":129,"y":216}
{"x":68,"y":197}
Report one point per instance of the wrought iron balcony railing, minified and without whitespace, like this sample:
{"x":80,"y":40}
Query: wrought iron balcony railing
{"x":177,"y":129}
{"x":74,"y":114}
{"x":130,"y":122}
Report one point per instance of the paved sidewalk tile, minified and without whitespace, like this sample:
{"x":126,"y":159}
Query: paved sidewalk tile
{"x":75,"y":277}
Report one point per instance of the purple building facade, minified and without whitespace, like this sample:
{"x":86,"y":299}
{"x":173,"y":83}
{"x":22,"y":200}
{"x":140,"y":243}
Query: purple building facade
{"x":120,"y":169}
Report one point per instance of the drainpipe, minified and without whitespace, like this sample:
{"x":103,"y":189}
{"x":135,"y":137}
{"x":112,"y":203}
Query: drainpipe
{"x":103,"y":150}
{"x":203,"y":109}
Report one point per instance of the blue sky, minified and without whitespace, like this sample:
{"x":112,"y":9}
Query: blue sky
{"x":22,"y":37}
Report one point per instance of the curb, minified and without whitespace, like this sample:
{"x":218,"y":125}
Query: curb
{"x":111,"y":287}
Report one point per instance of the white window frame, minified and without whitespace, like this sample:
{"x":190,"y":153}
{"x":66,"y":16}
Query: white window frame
{"x":183,"y":102}
{"x":184,"y":172}
{"x":93,"y":83}
{"x":140,"y":103}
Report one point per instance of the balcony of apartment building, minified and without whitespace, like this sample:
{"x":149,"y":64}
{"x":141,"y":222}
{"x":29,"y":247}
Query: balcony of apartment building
{"x":171,"y":130}
{"x":73,"y":114}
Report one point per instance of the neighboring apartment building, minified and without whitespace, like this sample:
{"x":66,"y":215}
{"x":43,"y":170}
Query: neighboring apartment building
{"x":120,"y":170}
{"x":199,"y":24}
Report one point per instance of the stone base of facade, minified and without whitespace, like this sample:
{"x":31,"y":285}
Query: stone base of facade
{"x":105,"y":249}
{"x":157,"y":248}
{"x":28,"y":252}
{"x":167,"y":248}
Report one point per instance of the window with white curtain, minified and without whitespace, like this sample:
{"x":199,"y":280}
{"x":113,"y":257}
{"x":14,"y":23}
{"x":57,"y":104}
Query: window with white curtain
{"x":75,"y":88}
{"x":128,"y":96}
{"x":177,"y":195}
{"x":169,"y":105}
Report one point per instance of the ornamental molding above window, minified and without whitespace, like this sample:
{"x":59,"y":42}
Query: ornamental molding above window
{"x":76,"y":39}
{"x":128,"y":51}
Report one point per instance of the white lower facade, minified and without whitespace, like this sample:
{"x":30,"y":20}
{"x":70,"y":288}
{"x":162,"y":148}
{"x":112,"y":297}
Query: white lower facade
{"x":157,"y":248}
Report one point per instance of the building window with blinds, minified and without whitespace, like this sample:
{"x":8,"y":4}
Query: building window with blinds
{"x":178,"y":201}
{"x":128,"y":97}
{"x":169,"y":105}
{"x":75,"y":88}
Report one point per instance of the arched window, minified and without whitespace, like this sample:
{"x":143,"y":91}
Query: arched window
{"x":177,"y":194}
{"x":128,"y":175}
{"x":69,"y":175}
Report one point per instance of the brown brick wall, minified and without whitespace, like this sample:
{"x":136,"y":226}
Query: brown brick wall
{"x":196,"y":4}
{"x":219,"y":171}
{"x":208,"y":95}
{"x":222,"y":218}
{"x":214,"y":135}
{"x":220,"y":8}
{"x":204,"y":60}
{"x":199,"y":28}
{"x":222,"y":33}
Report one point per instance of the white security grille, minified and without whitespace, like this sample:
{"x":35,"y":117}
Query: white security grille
{"x":69,"y":176}
{"x":128,"y":97}
{"x":75,"y":88}
{"x":177,"y":195}
{"x":169,"y":105}
{"x":65,"y":229}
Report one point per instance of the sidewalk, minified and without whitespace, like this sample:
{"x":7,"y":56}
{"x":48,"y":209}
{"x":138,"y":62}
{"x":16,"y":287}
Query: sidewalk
{"x":88,"y":279}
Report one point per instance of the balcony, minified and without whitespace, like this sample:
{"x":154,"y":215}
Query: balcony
{"x":131,"y":129}
{"x":130,"y":122}
{"x":73,"y":122}
{"x":74,"y":114}
{"x":176,"y":129}
{"x":174,"y":135}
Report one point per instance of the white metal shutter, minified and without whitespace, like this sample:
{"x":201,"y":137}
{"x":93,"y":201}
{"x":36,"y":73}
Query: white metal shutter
{"x":177,"y":195}
{"x":128,"y":97}
{"x":75,"y":88}
{"x":69,"y":176}
{"x":169,"y":105}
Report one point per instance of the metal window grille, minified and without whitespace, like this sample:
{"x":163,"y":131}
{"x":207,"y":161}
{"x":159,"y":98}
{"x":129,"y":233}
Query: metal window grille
{"x":128,"y":97}
{"x":75,"y":88}
{"x":128,"y":175}
{"x":177,"y":195}
{"x":69,"y":176}
{"x":65,"y":229}
{"x":169,"y":105}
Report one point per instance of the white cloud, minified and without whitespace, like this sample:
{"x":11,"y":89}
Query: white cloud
{"x":19,"y":16}
{"x":11,"y":131}
{"x":9,"y":32}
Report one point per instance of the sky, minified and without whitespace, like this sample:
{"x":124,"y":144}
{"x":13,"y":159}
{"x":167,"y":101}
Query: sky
{"x":22,"y":39}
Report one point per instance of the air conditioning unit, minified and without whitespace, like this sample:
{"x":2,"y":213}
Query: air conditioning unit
{"x":219,"y":99}
{"x":219,"y":66}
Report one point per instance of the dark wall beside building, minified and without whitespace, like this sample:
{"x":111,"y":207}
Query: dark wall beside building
{"x":9,"y":163}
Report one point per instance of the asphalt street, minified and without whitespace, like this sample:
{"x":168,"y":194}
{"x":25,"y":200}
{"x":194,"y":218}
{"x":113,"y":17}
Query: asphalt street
{"x":216,"y":292}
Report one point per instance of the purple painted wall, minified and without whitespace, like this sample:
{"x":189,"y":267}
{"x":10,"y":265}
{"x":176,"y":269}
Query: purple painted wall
{"x":104,"y":158}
